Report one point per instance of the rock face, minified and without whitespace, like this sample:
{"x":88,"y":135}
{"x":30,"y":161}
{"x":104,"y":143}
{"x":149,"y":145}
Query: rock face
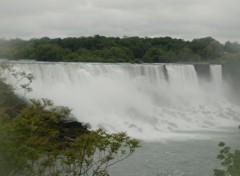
{"x":203,"y":71}
{"x":72,"y":129}
{"x":231,"y":74}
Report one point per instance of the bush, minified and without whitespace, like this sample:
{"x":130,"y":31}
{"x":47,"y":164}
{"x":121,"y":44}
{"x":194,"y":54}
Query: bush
{"x":230,"y":160}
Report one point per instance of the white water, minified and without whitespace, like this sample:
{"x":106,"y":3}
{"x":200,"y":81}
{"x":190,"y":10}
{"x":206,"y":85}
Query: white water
{"x":149,"y":101}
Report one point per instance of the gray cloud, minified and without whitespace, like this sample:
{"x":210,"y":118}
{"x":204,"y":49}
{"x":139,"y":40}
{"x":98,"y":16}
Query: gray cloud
{"x":185,"y":19}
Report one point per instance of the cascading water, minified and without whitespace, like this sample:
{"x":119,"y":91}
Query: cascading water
{"x":146,"y":100}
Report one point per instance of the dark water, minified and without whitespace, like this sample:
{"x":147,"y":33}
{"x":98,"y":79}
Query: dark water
{"x":178,"y":157}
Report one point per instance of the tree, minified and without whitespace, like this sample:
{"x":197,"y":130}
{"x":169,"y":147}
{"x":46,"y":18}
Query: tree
{"x":34,"y":143}
{"x":156,"y":54}
{"x":10,"y":106}
{"x":136,"y":45}
{"x":186,"y":54}
{"x":93,"y":153}
{"x":232,"y":47}
{"x":230,"y":160}
{"x":10,"y":81}
{"x":116,"y":54}
{"x":50,"y":52}
{"x":208,"y":48}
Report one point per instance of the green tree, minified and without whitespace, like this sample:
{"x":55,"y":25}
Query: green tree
{"x":138,"y":46}
{"x":230,"y":160}
{"x":115,"y":54}
{"x":186,"y":54}
{"x":232,"y":47}
{"x":34,"y":143}
{"x":155,"y":54}
{"x":50,"y":52}
{"x":93,"y":153}
{"x":208,"y":48}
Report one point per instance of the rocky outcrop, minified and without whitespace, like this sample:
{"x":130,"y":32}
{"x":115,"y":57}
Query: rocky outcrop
{"x":231,"y":75}
{"x":203,"y":71}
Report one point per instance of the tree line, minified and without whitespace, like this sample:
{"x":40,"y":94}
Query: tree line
{"x":114,"y":49}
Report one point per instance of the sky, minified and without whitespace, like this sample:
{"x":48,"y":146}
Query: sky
{"x":185,"y":19}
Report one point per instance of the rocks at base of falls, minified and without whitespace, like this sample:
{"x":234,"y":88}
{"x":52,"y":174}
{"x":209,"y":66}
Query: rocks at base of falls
{"x":70,"y":127}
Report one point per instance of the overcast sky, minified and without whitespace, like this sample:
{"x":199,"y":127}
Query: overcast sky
{"x":186,"y":19}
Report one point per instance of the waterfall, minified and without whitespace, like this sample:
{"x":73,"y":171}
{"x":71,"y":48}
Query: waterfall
{"x":146,"y":100}
{"x":216,"y":76}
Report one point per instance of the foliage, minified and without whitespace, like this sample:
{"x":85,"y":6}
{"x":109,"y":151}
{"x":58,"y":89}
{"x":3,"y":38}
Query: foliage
{"x":22,"y":80}
{"x":155,"y":54}
{"x":34,"y":144}
{"x":232,"y":47}
{"x":114,"y":49}
{"x":207,"y":48}
{"x":31,"y":136}
{"x":95,"y":152}
{"x":230,"y":160}
{"x":13,"y":80}
{"x":229,"y":58}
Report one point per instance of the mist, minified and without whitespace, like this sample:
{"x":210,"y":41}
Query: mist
{"x":148,"y":101}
